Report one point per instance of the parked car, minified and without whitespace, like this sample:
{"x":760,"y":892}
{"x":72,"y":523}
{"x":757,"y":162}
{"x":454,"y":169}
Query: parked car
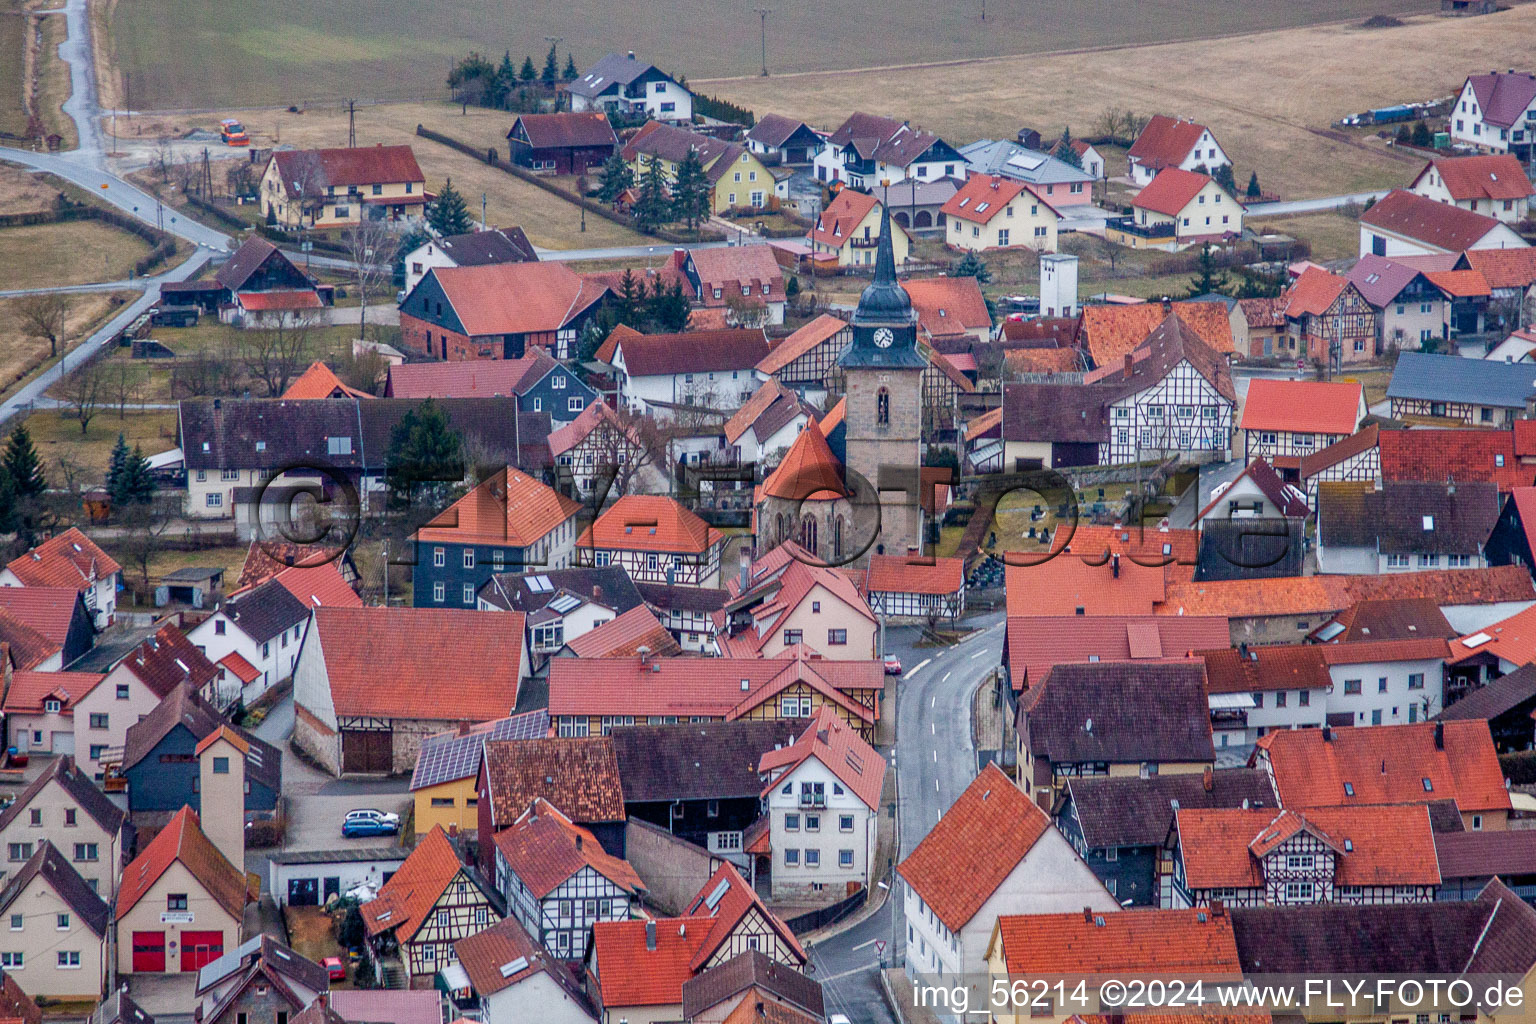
{"x":355,"y":828}
{"x":334,"y":968}
{"x":374,"y":814}
{"x":892,"y":665}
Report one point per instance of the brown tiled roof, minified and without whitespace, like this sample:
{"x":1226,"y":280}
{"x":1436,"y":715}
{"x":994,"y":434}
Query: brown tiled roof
{"x":78,"y":787}
{"x":735,"y":348}
{"x":697,"y":761}
{"x":729,"y":268}
{"x":1485,"y":854}
{"x":404,"y":901}
{"x":1183,"y":943}
{"x":1110,"y":331}
{"x":1361,"y":440}
{"x":484,"y":954}
{"x":544,"y":848}
{"x":1503,"y":268}
{"x":65,"y":883}
{"x":364,"y":165}
{"x":1120,"y":712}
{"x":1503,"y":96}
{"x":673,"y":144}
{"x":1434,"y":456}
{"x":379,"y":661}
{"x":1502,"y":695}
{"x":1168,"y":344}
{"x":183,"y":707}
{"x":839,"y":749}
{"x":1165,"y":140}
{"x":580,"y":776}
{"x":624,"y":635}
{"x":1264,"y":312}
{"x":1392,"y":520}
{"x":1137,"y":812}
{"x":774,"y":129}
{"x":566,"y":129}
{"x":17,"y":1006}
{"x":1437,"y":225}
{"x":475,"y":378}
{"x":976,"y":845}
{"x":183,"y":840}
{"x":169,"y":658}
{"x":1279,"y":667}
{"x":1043,"y":360}
{"x":69,"y":559}
{"x":1392,"y":619}
{"x":1060,"y":413}
{"x":1288,"y":595}
{"x":802,"y":341}
{"x":753,"y":970}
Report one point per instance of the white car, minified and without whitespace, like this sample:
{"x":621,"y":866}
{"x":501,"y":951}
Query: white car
{"x":372,"y":814}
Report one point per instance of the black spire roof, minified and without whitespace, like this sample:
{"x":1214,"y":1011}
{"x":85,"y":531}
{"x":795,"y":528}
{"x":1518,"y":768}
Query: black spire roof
{"x":885,"y":309}
{"x":884,"y":300}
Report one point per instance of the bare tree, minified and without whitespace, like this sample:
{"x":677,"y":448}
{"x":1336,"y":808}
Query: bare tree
{"x":745,"y":312}
{"x":44,"y":316}
{"x":370,"y":247}
{"x":126,"y":384}
{"x":83,"y":392}
{"x":143,"y":533}
{"x":278,"y":350}
{"x":186,"y":170}
{"x":360,"y":366}
{"x":162,"y":159}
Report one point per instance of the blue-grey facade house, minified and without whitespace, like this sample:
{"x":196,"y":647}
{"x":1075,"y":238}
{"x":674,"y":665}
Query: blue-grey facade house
{"x":160,"y":758}
{"x":1118,"y":826}
{"x":1478,"y":392}
{"x":621,"y":84}
{"x":1055,"y":181}
{"x":509,"y":523}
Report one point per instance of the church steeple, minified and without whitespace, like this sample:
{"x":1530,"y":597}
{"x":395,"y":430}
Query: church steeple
{"x":884,"y":326}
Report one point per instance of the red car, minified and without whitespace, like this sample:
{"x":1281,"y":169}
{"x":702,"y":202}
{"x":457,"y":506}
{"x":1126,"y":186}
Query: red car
{"x":334,"y":968}
{"x":892,"y":665}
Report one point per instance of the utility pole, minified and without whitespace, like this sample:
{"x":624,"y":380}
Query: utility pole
{"x":983,"y":10}
{"x":482,"y":211}
{"x":351,"y":124}
{"x":762,"y":14}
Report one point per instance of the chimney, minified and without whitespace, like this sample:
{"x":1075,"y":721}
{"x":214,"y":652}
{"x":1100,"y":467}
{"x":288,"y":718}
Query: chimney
{"x":1129,"y":362}
{"x":631,"y":54}
{"x":650,"y":936}
{"x":1167,"y":306}
{"x":597,"y":592}
{"x":1114,"y":565}
{"x":453,"y":829}
{"x":1207,"y":779}
{"x":1088,"y":914}
{"x":578,"y":841}
{"x":1439,"y":735}
{"x":1327,"y":734}
{"x":1242,"y":650}
{"x":996,"y":182}
{"x":1218,"y":909}
{"x":644,"y":651}
{"x":679,"y":257}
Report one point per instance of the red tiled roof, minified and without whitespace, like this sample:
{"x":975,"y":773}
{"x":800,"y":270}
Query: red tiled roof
{"x":23,"y":646}
{"x":1374,"y":846}
{"x":1181,"y":943}
{"x":1386,"y":764}
{"x":730,"y":268}
{"x":49,"y":610}
{"x":70,"y":559}
{"x":623,"y":637}
{"x":567,"y":129}
{"x":1268,"y":667}
{"x":1288,"y":595}
{"x":579,"y":429}
{"x":183,"y":840}
{"x":1503,"y":268}
{"x":1323,"y":407}
{"x":1171,"y":191}
{"x":1042,"y":360}
{"x":28,"y":689}
{"x":1081,"y":579}
{"x":291,"y":299}
{"x":509,"y":508}
{"x":948,"y":305}
{"x":382,"y":661}
{"x":808,"y":468}
{"x":1512,"y":639}
{"x":1459,"y":284}
{"x":840,"y":749}
{"x":1036,"y":643}
{"x":983,"y":196}
{"x":1314,"y":292}
{"x":647,"y":522}
{"x":733,"y":348}
{"x":834,"y":418}
{"x":802,"y":341}
{"x":544,"y":848}
{"x":319,"y":585}
{"x":1362,"y":440}
{"x":1110,"y":331}
{"x":404,"y":902}
{"x":620,"y":333}
{"x":1165,"y":141}
{"x":239,"y":667}
{"x":914,"y":574}
{"x":476,"y":378}
{"x":1360,"y":652}
{"x":1433,"y":456}
{"x":363,"y":165}
{"x":320,"y":382}
{"x":842,"y":216}
{"x":224,"y":732}
{"x":767,"y":394}
{"x":728,"y":908}
{"x":1485,"y":176}
{"x":514,"y":298}
{"x":629,"y":974}
{"x":1525,"y":506}
{"x":976,"y":845}
{"x":1437,"y":225}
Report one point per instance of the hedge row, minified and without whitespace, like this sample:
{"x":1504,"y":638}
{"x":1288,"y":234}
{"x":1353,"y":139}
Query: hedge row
{"x":1520,"y":767}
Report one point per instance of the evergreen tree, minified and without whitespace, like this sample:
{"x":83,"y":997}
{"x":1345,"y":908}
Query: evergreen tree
{"x":654,"y":207}
{"x":690,"y":191}
{"x":570,"y":73}
{"x":21,"y":462}
{"x":117,"y":464}
{"x":626,"y":306}
{"x":448,"y":214}
{"x":971,"y":265}
{"x":1222,"y":175}
{"x":1064,"y":151}
{"x":505,"y":82}
{"x":616,"y":177}
{"x":1208,"y":277}
{"x":1253,"y":186}
{"x":133,"y":484}
{"x":666,"y":310}
{"x":1421,"y":135}
{"x":551,"y":67}
{"x":425,"y":455}
{"x":10,"y":521}
{"x":528,"y":72}
{"x":1404,"y":135}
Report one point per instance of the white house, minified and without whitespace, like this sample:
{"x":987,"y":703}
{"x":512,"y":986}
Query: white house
{"x":621,"y":83}
{"x":993,"y":852}
{"x":1408,"y":224}
{"x":823,"y":800}
{"x":70,"y":559}
{"x":1494,"y":184}
{"x":1497,"y":112}
{"x":1178,"y":209}
{"x":868,"y":150}
{"x":769,"y":422}
{"x":1404,"y":526}
{"x":264,"y":627}
{"x":1256,"y":493}
{"x":1385,"y":682}
{"x":515,"y":978}
{"x":494,"y":245}
{"x":714,"y":369}
{"x":1255,"y":690}
{"x":1173,"y":142}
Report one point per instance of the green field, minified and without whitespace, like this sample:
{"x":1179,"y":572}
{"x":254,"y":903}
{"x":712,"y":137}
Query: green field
{"x":289,"y":51}
{"x":13,"y":31}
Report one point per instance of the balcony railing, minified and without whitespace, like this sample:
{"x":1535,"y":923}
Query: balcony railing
{"x":1128,"y":226}
{"x":813,"y":799}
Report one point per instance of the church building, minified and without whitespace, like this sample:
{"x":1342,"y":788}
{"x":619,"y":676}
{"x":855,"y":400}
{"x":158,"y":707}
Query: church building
{"x":869,"y":505}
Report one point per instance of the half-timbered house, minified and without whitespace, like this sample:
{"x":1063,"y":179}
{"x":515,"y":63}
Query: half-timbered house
{"x":655,"y":540}
{"x":1255,"y":857}
{"x":806,"y":361}
{"x":688,"y":612}
{"x":557,"y":880}
{"x":1478,"y":392}
{"x":943,"y":384}
{"x":580,"y":777}
{"x":1356,"y":458}
{"x":1286,"y":420}
{"x":739,"y":922}
{"x":593,"y":449}
{"x":1330,"y":319}
{"x":915,"y":587}
{"x":784,"y":600}
{"x":424,"y":908}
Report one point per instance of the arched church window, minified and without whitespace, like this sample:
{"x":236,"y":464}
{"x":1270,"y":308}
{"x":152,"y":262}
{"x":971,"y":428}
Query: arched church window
{"x":808,"y":534}
{"x":837,"y":538}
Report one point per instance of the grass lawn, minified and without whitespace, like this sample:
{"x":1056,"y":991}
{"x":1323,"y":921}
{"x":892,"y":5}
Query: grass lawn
{"x":56,"y":434}
{"x":1332,"y":236}
{"x":72,"y":252}
{"x":22,"y":356}
{"x":22,"y":191}
{"x":53,"y":85}
{"x":13,"y":34}
{"x":230,"y":558}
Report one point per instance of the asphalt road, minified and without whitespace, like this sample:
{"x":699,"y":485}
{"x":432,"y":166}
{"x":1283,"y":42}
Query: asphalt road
{"x":935,"y":759}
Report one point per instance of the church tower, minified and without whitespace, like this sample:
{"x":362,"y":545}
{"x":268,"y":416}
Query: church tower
{"x":883,"y":379}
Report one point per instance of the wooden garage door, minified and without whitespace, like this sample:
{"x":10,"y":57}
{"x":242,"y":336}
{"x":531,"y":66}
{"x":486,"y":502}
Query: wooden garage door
{"x":199,"y":948}
{"x":365,"y":751}
{"x":148,"y":951}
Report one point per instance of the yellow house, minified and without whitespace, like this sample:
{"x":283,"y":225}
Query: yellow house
{"x":322,"y":188}
{"x":180,"y":903}
{"x":848,"y":232}
{"x":1176,"y":210}
{"x":737,"y":178}
{"x":993,"y":212}
{"x":57,"y":931}
{"x":443,"y":784}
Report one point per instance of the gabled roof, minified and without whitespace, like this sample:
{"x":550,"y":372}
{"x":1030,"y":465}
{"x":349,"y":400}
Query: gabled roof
{"x":648,"y":522}
{"x":1182,"y":943}
{"x":947,"y":305}
{"x":802,"y":341}
{"x":1386,"y":764}
{"x":790,"y":989}
{"x":625,"y":635}
{"x":1137,"y":812}
{"x":1407,"y":517}
{"x":1267,"y":667}
{"x":29,"y":689}
{"x":507,"y":509}
{"x":69,"y":559}
{"x":1170,"y":343}
{"x":474,"y":378}
{"x":1436,"y":378}
{"x":597,"y":414}
{"x":1389,"y":619}
{"x":634,"y":971}
{"x":842,"y":216}
{"x":1484,"y":176}
{"x":1314,"y":292}
{"x":1038,"y":643}
{"x":78,"y":787}
{"x":1435,"y":456}
{"x":404,"y":901}
{"x":1165,"y":141}
{"x":494,"y":245}
{"x":1434,"y":225}
{"x":914,"y":574}
{"x":1289,"y":595}
{"x":1120,"y":712}
{"x":49,"y":610}
{"x":615,"y":68}
{"x":1485,"y":703}
{"x":808,"y":468}
{"x":566,"y":129}
{"x":1285,"y":497}
{"x":514,"y":298}
{"x":489,"y":956}
{"x":378,"y":661}
{"x":1362,"y":440}
{"x":1459,"y":284}
{"x":1172,"y":190}
{"x":733,"y":348}
{"x":699,"y":760}
{"x":318,"y":585}
{"x":319,"y":381}
{"x":1265,"y":312}
{"x":545,"y":849}
{"x":454,"y":755}
{"x":673,"y":143}
{"x":726,"y":899}
{"x":182,"y":841}
{"x":169,"y":658}
{"x":16,"y":1007}
{"x":1512,"y":639}
{"x":1502,"y":268}
{"x":49,"y":865}
{"x":1110,"y":331}
{"x":883,"y":138}
{"x":267,"y":953}
{"x":609,"y":586}
{"x":976,"y":845}
{"x":839,"y":749}
{"x":984,"y":196}
{"x":183,"y":707}
{"x":1503,"y":96}
{"x":319,"y":169}
{"x":1485,"y":854}
{"x":775,"y":129}
{"x":1086,"y":578}
{"x":735,"y":266}
{"x":1323,"y":407}
{"x":768,"y":410}
{"x":264,"y":611}
{"x":580,"y":776}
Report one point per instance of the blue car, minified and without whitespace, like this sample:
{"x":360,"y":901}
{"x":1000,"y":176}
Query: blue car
{"x":353,"y":828}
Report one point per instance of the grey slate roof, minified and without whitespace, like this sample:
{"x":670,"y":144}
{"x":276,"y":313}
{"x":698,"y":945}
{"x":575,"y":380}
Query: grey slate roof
{"x":1008,"y":159}
{"x":698,"y":761}
{"x":616,"y":67}
{"x":1407,"y":517}
{"x":752,"y":969}
{"x":496,"y":245}
{"x":1120,"y":712}
{"x":1420,"y":375}
{"x":1137,"y":812}
{"x":277,"y":956}
{"x":182,"y":706}
{"x":265,"y":611}
{"x":609,"y":586}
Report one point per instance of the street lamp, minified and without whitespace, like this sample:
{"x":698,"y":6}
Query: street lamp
{"x":762,"y":13}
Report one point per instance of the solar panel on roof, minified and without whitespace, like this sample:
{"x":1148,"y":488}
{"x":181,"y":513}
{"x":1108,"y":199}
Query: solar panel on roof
{"x":565,"y":603}
{"x":449,"y":756}
{"x":718,"y":893}
{"x":1027,"y":163}
{"x":539,"y":584}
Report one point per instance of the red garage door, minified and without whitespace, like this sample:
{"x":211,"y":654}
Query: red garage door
{"x":199,"y":948}
{"x":148,"y":951}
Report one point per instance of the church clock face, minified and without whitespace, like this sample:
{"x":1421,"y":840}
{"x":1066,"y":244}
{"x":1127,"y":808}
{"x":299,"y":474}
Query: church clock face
{"x":884,"y":337}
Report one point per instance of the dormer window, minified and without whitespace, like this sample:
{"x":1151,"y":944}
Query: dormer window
{"x":52,"y":707}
